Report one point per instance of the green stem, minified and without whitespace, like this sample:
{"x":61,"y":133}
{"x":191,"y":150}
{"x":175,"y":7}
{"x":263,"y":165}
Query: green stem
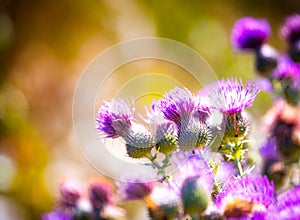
{"x":239,"y":167}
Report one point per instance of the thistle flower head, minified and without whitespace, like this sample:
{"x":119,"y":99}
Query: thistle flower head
{"x":246,"y":197}
{"x":288,"y":204}
{"x":250,"y":33}
{"x":114,"y":118}
{"x":177,"y":104}
{"x":135,"y":190}
{"x":230,"y":96}
{"x":193,"y":134}
{"x":290,"y":30}
{"x":165,"y":131}
{"x":100,"y":195}
{"x":139,"y":141}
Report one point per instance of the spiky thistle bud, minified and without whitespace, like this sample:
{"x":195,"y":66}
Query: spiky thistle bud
{"x":139,"y":141}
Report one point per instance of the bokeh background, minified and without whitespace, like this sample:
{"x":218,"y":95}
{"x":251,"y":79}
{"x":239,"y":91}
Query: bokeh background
{"x":45,"y":46}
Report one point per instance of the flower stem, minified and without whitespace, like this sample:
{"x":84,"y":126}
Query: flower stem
{"x":239,"y":166}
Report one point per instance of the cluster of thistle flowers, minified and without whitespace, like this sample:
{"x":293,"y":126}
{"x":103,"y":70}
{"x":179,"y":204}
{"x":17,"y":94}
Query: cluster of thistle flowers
{"x":282,"y":73}
{"x":208,"y":185}
{"x":77,"y":203}
{"x":213,"y":182}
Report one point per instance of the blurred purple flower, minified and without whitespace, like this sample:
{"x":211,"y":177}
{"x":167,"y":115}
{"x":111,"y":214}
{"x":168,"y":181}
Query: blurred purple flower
{"x":70,"y":193}
{"x":288,"y":69}
{"x":135,"y":190}
{"x":290,"y":30}
{"x":288,"y":204}
{"x":250,"y":33}
{"x":230,"y":96}
{"x":246,"y":197}
{"x":269,"y":150}
{"x":56,"y":216}
{"x":100,"y":195}
{"x":114,"y":118}
{"x":264,"y":84}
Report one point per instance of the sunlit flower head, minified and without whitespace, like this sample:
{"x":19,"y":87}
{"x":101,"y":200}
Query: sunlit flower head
{"x":249,"y":197}
{"x":114,"y":118}
{"x":230,"y":96}
{"x":290,"y":30}
{"x":250,"y":33}
{"x":177,"y":104}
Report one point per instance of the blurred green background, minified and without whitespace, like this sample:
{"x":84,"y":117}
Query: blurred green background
{"x":46,"y":44}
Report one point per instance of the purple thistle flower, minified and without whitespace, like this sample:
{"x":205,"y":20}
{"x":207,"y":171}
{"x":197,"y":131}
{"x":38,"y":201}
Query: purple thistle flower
{"x":135,"y":190}
{"x":290,"y":30}
{"x":70,"y":193}
{"x":288,"y":69}
{"x":56,"y":216}
{"x":250,"y":33}
{"x":114,"y":118}
{"x":100,"y":195}
{"x":288,"y":204}
{"x":177,"y":105}
{"x":246,"y":197}
{"x":230,"y":96}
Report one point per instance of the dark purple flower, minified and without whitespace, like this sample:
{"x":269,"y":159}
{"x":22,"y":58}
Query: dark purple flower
{"x":246,"y":197}
{"x":290,"y":30}
{"x":177,"y":105}
{"x":230,"y":96}
{"x":100,"y":195}
{"x":288,"y":204}
{"x":135,"y":190}
{"x":56,"y":216}
{"x":250,"y":33}
{"x":114,"y":118}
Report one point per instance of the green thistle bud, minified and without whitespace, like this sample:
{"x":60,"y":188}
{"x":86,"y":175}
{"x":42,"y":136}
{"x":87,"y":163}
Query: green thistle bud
{"x":167,"y":144}
{"x":194,"y":196}
{"x":193,"y":134}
